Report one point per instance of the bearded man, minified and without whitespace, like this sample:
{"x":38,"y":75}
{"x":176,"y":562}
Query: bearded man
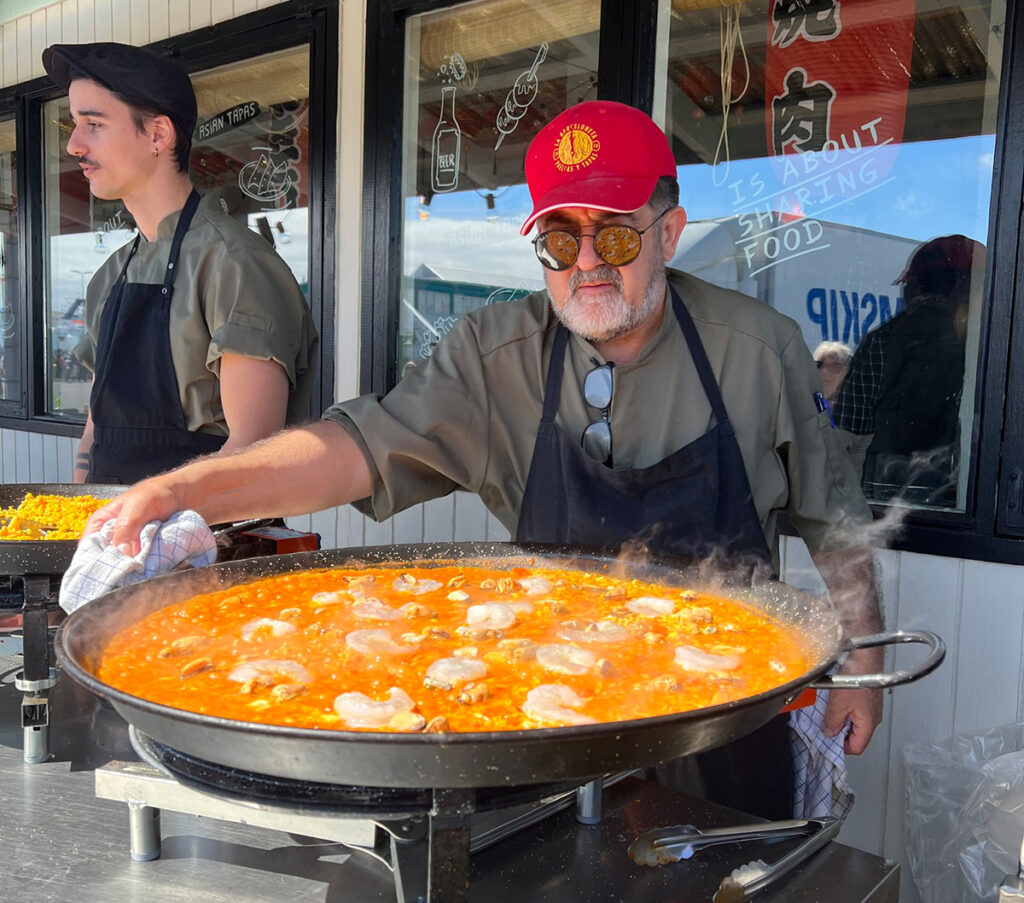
{"x":628,"y":403}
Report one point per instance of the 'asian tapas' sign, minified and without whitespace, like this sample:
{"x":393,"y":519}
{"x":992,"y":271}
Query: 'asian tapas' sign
{"x":229,"y":119}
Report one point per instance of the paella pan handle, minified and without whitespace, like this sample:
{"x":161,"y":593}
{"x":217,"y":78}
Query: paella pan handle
{"x":891,"y":638}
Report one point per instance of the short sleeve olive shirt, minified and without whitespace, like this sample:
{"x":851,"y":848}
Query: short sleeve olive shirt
{"x":232,"y":294}
{"x":467,"y":418}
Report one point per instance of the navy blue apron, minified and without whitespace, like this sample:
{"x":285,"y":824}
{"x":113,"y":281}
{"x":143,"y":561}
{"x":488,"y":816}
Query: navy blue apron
{"x":695,"y":501}
{"x":139,"y":428}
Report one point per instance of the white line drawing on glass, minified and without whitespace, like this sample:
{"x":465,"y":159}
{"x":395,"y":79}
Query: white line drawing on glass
{"x":264,"y":180}
{"x":446,"y":147}
{"x":8,"y":322}
{"x":455,"y":69}
{"x":520,"y":96}
{"x":504,"y":295}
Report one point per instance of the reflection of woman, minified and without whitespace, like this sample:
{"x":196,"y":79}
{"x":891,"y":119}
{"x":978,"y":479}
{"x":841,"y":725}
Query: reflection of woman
{"x":833,"y":360}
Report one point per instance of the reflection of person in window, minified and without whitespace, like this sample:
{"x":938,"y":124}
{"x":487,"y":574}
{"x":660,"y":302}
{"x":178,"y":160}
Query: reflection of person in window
{"x":833,"y":360}
{"x":901,"y":396}
{"x":198,"y":336}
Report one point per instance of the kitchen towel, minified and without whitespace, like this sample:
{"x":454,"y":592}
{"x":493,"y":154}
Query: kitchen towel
{"x":98,"y":566}
{"x":819,"y":764}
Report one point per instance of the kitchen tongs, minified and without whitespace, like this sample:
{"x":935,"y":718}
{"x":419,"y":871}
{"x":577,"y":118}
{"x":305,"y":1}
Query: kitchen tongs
{"x":664,"y":845}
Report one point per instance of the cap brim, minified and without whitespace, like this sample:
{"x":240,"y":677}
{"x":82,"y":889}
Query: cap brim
{"x":63,"y":66}
{"x":613,"y":195}
{"x":57,"y":66}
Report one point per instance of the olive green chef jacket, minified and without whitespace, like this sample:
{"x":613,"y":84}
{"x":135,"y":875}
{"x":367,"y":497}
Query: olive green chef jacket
{"x":467,"y":417}
{"x":232,"y":294}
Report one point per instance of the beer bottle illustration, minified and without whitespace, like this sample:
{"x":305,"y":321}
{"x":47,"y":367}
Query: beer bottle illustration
{"x":446,"y":148}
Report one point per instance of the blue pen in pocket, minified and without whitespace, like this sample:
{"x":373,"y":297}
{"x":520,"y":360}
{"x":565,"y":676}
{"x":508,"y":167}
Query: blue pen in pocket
{"x":822,"y":405}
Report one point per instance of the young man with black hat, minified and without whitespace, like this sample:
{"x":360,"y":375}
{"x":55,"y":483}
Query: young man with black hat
{"x":628,"y":403}
{"x":199,"y":338}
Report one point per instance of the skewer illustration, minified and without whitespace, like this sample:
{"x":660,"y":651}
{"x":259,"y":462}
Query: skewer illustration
{"x":519,"y":98}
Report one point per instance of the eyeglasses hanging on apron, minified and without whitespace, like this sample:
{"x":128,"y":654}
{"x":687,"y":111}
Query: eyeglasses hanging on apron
{"x":692,"y":503}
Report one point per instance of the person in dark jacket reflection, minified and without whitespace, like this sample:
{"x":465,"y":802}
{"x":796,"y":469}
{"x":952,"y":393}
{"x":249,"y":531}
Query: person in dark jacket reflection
{"x":901,"y":396}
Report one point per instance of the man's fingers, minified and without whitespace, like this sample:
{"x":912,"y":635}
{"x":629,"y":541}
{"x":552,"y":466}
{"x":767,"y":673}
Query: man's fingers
{"x":144,"y":502}
{"x":100,"y":516}
{"x":858,"y":738}
{"x":861,"y":709}
{"x":835,"y":715}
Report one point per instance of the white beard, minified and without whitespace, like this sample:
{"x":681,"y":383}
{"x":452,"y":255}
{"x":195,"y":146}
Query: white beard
{"x":607,"y":318}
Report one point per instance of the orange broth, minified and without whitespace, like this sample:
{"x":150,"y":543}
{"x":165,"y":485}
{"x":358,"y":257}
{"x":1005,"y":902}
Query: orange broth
{"x":189,"y":654}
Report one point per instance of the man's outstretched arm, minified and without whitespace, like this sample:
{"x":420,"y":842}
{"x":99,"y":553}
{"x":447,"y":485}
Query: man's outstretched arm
{"x":297,"y":471}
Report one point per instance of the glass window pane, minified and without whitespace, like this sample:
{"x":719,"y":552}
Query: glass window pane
{"x":481,"y":80}
{"x":11,"y":326}
{"x":81,"y":233}
{"x":820,"y":146}
{"x":250,"y":146}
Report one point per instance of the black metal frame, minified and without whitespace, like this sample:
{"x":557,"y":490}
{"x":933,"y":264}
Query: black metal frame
{"x":624,"y":73}
{"x":986,"y":530}
{"x":8,"y":112}
{"x":286,"y":25}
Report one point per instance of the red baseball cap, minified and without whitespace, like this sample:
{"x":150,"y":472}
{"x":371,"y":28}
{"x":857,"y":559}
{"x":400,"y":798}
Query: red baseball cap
{"x":598,"y":154}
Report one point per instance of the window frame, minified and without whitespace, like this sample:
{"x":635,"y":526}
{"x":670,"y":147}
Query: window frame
{"x":628,"y":77}
{"x":8,"y":113}
{"x":314,"y":22}
{"x":626,"y":72}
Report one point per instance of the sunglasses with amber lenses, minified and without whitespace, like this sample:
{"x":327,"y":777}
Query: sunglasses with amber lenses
{"x":616,"y":244}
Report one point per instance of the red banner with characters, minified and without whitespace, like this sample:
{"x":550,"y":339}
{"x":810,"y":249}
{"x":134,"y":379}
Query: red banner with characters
{"x":837,"y":75}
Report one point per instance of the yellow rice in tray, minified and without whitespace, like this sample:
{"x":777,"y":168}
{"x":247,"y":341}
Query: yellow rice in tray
{"x":48,"y":517}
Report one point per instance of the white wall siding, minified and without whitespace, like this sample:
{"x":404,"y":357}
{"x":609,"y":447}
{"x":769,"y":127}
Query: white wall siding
{"x":22,"y":40}
{"x":978,"y":610}
{"x":35,"y":458}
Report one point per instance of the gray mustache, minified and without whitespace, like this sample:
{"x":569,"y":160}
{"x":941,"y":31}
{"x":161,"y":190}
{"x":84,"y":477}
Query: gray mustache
{"x":598,"y":274}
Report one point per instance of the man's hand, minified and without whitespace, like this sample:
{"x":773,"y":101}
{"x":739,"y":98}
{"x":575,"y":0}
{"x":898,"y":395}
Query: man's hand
{"x":144,"y":502}
{"x":861,"y":708}
{"x":850,"y":577}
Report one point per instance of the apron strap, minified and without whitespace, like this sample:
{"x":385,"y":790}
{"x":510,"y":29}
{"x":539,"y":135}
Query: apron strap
{"x":122,"y":277}
{"x":553,"y":384}
{"x":700,"y":360}
{"x":184,"y":221}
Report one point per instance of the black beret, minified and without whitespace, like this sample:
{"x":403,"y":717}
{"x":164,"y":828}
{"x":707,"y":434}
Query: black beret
{"x":140,"y":76}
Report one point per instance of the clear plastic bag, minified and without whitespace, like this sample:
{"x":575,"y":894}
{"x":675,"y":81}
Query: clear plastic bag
{"x":965,"y":813}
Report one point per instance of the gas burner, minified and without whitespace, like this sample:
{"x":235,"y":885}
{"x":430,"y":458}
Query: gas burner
{"x":425,"y":836}
{"x":244,"y":786}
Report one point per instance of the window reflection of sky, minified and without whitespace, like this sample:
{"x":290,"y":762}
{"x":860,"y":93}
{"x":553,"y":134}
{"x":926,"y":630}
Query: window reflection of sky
{"x":932,"y":188}
{"x":936,"y":188}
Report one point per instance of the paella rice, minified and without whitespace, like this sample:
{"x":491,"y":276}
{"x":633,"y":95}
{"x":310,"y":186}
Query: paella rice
{"x":450,"y":648}
{"x":48,"y":517}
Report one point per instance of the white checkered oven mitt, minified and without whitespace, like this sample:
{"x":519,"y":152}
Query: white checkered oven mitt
{"x":98,"y":567}
{"x":819,"y":764}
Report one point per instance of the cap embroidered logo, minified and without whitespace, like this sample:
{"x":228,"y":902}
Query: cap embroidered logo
{"x":576,"y":147}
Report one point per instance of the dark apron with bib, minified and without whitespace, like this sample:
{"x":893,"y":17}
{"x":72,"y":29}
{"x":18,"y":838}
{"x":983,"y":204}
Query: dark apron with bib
{"x":139,"y":427}
{"x":693,"y":503}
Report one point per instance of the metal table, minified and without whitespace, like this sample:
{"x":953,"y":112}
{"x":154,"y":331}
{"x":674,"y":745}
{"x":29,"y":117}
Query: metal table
{"x":61,"y":842}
